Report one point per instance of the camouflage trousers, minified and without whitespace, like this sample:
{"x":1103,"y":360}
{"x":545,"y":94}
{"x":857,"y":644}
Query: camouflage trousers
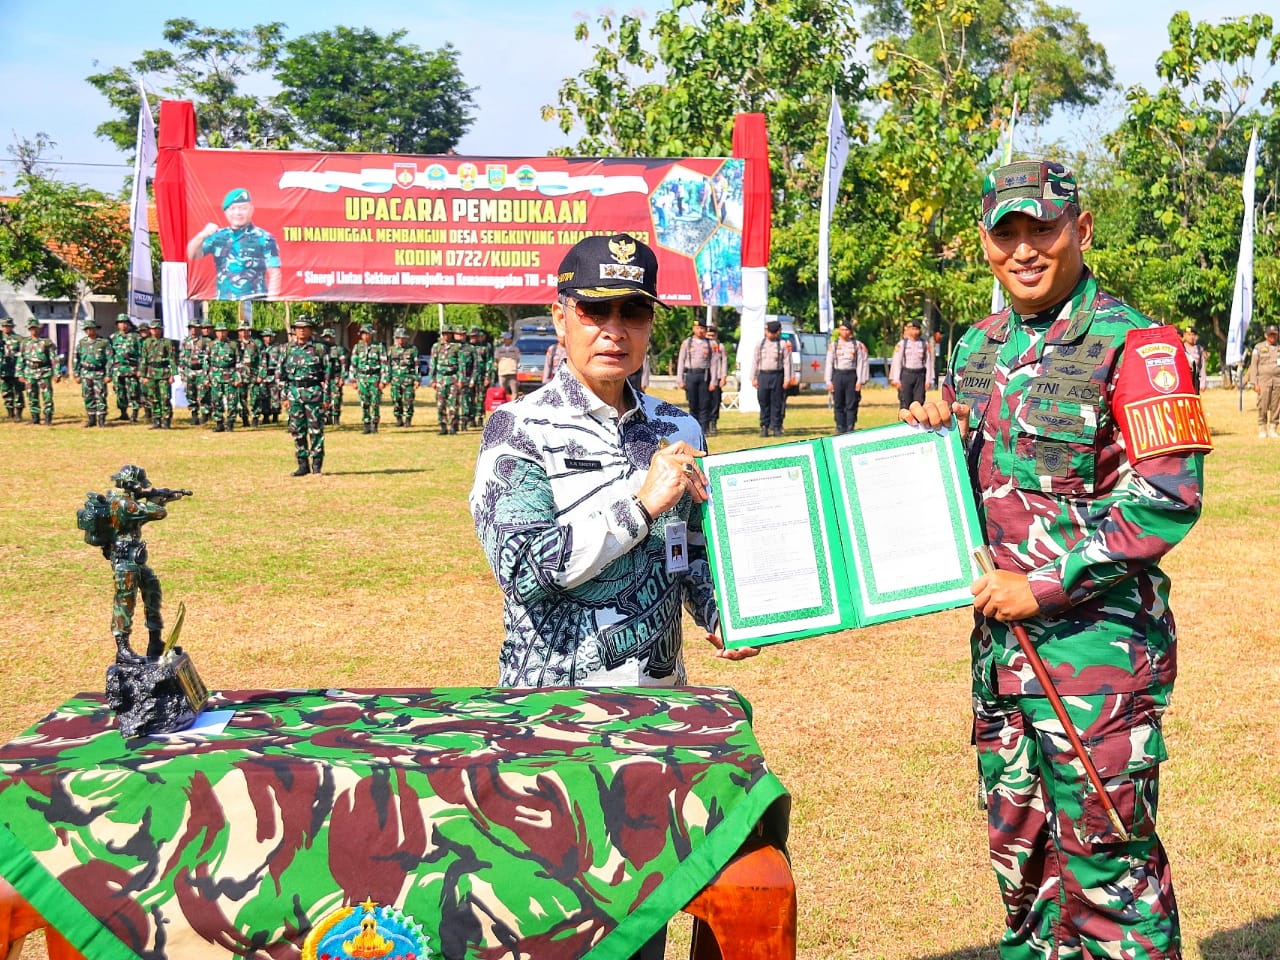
{"x":248,"y":400}
{"x":128,"y":391}
{"x":335,"y":399}
{"x":93,"y":390}
{"x":370,"y":398}
{"x":475,"y":403}
{"x":15,"y":396}
{"x":159,"y":398}
{"x":40,"y":397}
{"x":403,"y":393}
{"x":449,"y":401}
{"x":306,"y":426}
{"x":1073,"y":888}
{"x":222,"y":401}
{"x":269,"y":394}
{"x":130,"y":579}
{"x":199,"y":394}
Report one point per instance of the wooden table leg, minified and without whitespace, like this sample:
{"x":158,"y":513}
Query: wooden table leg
{"x":748,"y":912}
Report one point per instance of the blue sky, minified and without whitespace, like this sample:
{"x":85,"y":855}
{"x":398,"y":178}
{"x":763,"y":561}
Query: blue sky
{"x":517,"y":52}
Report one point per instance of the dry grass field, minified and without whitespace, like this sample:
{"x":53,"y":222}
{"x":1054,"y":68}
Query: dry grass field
{"x":371,"y":576}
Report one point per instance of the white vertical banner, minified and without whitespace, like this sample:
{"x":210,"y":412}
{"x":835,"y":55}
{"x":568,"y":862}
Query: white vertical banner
{"x":1242,"y":297}
{"x":755,"y":301}
{"x":837,"y":155}
{"x":173,"y":296}
{"x":142,"y":286}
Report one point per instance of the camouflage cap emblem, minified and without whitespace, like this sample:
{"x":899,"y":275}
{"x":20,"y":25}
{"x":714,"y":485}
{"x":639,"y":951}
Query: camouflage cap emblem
{"x":1038,"y":188}
{"x":238,"y":195}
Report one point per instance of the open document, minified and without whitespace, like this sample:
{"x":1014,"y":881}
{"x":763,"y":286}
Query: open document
{"x":824,"y":535}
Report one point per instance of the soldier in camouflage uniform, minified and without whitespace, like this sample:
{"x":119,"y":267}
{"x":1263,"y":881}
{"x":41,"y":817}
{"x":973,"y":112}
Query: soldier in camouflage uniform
{"x":1086,"y":447}
{"x":15,"y":398}
{"x":158,"y":369}
{"x":38,"y":369}
{"x":269,"y":359}
{"x":193,"y":364}
{"x":128,"y":556}
{"x":247,"y":387}
{"x":369,"y":370}
{"x":466,"y":376}
{"x":126,"y":354}
{"x":446,"y":374}
{"x":304,"y":382}
{"x":246,"y":257}
{"x":339,"y":370}
{"x":89,"y":366}
{"x":402,"y":361}
{"x":484,"y":376}
{"x":224,"y":358}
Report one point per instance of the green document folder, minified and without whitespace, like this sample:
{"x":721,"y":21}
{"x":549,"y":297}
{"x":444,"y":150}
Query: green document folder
{"x":826,"y":535}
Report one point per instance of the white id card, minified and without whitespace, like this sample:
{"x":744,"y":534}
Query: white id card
{"x":677,"y":536}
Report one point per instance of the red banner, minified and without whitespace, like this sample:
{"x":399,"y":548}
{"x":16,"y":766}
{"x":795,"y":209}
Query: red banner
{"x":406,"y":229}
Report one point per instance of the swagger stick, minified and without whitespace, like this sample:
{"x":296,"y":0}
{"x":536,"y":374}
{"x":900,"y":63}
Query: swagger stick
{"x":982,"y":555}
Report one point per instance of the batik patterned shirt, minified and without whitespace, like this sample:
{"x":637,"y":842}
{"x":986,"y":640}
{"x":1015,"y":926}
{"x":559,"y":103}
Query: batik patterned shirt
{"x":588,"y":599}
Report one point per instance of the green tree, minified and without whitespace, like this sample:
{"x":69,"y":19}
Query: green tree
{"x":205,"y":65}
{"x":1170,"y":206}
{"x":68,"y":239}
{"x":347,"y":89}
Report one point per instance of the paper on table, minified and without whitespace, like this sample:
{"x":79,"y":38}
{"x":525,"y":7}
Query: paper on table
{"x":208,"y":723}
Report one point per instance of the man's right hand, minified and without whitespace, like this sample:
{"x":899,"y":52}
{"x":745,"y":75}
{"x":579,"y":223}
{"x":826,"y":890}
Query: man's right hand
{"x":935,"y":414}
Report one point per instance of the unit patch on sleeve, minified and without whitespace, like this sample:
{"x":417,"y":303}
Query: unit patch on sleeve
{"x":1155,"y":400}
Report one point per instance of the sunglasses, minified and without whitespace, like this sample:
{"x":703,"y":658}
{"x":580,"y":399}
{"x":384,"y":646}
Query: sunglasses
{"x":635,"y":311}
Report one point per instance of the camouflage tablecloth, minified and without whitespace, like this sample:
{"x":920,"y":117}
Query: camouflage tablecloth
{"x":394,"y":824}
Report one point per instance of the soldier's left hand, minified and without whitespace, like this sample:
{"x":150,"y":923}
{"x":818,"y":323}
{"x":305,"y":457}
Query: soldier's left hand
{"x":742,"y":653}
{"x":1005,"y":596}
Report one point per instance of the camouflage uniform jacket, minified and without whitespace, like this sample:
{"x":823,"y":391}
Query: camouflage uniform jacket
{"x":338,"y":363}
{"x":92,"y":356}
{"x":193,"y":354}
{"x":243,"y":256}
{"x":247,"y":360}
{"x":588,"y":599}
{"x":369,"y":360}
{"x":157,"y":359}
{"x":304,"y":372}
{"x":1063,"y":496}
{"x":10,"y":345}
{"x":446,"y":359}
{"x":126,"y":349}
{"x":269,"y":360}
{"x":486,"y":367}
{"x":403,"y":362}
{"x":38,"y":358}
{"x":467,"y":363}
{"x":224,"y":359}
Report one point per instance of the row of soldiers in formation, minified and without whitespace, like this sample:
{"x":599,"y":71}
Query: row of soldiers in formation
{"x":235,"y":379}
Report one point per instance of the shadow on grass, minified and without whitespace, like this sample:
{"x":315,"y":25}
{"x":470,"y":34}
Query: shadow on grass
{"x":987,"y":952}
{"x":1259,"y":940}
{"x":365,"y":473}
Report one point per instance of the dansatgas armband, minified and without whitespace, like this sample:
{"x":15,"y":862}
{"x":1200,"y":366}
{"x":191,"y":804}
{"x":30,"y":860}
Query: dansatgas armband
{"x":1156,"y":404}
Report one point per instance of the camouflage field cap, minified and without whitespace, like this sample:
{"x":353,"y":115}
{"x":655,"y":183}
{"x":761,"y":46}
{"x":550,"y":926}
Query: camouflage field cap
{"x":124,"y":318}
{"x":268,"y":332}
{"x":90,"y":323}
{"x":1038,"y":188}
{"x":6,"y":322}
{"x":304,"y":320}
{"x":477,"y":332}
{"x":401,"y":332}
{"x":193,"y":322}
{"x":157,"y":324}
{"x":221,"y":325}
{"x":32,"y":323}
{"x":328,"y":331}
{"x":367,"y":328}
{"x":245,"y":325}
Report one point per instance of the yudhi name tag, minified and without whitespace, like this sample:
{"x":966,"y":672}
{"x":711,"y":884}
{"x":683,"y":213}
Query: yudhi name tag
{"x":677,"y":538}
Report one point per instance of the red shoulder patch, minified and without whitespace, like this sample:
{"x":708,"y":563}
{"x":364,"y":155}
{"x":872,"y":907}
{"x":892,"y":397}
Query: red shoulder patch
{"x":1155,"y":401}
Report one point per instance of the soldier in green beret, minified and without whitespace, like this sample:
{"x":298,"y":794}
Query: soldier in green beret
{"x":38,"y":369}
{"x":89,"y":366}
{"x":402,"y":359}
{"x":15,"y":398}
{"x":369,"y":368}
{"x":126,"y":354}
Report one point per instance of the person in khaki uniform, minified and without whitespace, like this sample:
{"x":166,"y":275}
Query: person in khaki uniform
{"x":1264,"y":375}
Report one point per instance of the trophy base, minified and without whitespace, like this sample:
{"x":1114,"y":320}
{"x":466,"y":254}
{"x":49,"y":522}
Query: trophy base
{"x":154,"y":695}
